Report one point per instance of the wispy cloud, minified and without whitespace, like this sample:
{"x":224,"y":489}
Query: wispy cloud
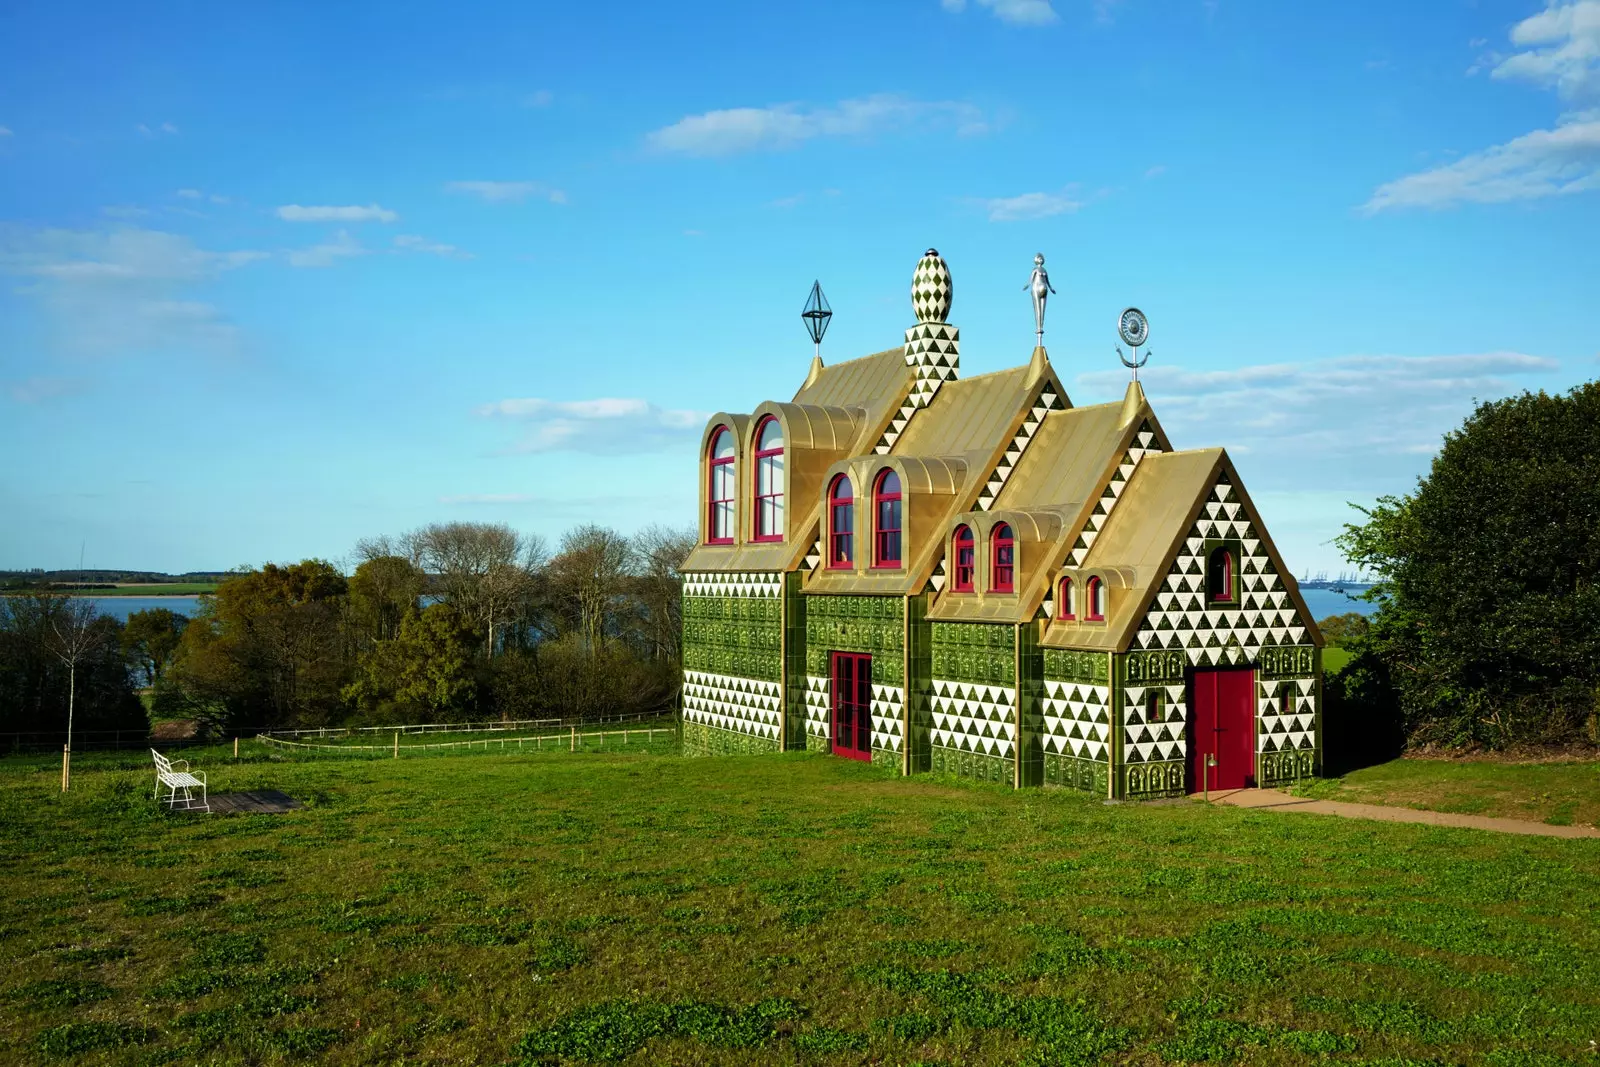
{"x":196,"y":194}
{"x":1560,"y":50}
{"x":507,"y":192}
{"x":340,"y":246}
{"x":331,"y":213}
{"x":489,"y":498}
{"x":37,"y":390}
{"x":123,"y":290}
{"x":752,"y":129}
{"x":606,"y":425}
{"x":1030,"y":206}
{"x":1156,"y":171}
{"x":1022,"y":12}
{"x":541,"y":98}
{"x":165,"y":129}
{"x":5,"y":131}
{"x":410,"y":242}
{"x":1352,"y":415}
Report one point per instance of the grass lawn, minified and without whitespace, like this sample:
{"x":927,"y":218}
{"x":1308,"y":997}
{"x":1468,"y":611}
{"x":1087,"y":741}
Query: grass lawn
{"x":166,"y":589}
{"x":1563,"y":794}
{"x":1334,"y":658}
{"x":771,"y":910}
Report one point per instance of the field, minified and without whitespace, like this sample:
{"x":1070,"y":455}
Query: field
{"x":1563,"y":794}
{"x":166,"y":589}
{"x":800,"y":909}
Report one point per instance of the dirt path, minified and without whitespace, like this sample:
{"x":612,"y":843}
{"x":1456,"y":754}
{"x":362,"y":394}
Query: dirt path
{"x":1275,"y":800}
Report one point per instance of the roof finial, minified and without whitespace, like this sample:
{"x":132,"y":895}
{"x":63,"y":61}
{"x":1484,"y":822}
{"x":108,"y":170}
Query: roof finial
{"x":1134,"y":330}
{"x":1039,"y":283}
{"x":932,"y":291}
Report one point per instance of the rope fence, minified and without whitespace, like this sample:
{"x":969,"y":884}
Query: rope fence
{"x":574,"y":740}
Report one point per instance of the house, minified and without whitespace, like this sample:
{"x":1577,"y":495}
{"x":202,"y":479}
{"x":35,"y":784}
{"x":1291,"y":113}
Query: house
{"x":973,"y":576}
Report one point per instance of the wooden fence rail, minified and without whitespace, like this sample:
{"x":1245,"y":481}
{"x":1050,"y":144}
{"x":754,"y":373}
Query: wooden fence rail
{"x":571,"y":741}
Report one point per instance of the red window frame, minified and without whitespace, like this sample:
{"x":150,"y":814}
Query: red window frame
{"x":1003,"y":559}
{"x":887,"y":515}
{"x":1095,"y":593}
{"x":1065,"y":608}
{"x":1224,"y":592}
{"x":729,"y":483}
{"x":966,"y":560}
{"x":769,"y":504}
{"x":841,"y":524}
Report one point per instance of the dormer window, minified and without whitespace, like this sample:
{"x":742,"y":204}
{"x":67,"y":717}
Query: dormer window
{"x":769,"y":480}
{"x":1067,"y":604}
{"x":966,"y":559}
{"x":886,"y":520}
{"x":721,"y":491}
{"x":841,"y":524}
{"x":1219,"y":576}
{"x":1095,"y":600}
{"x":1003,"y":562}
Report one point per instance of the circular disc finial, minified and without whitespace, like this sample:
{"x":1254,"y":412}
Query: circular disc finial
{"x":931,"y":288}
{"x":1133,"y":327}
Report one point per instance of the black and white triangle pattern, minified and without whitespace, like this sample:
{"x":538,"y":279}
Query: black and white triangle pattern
{"x":888,"y":712}
{"x":760,"y":584}
{"x":974,"y":718}
{"x":741,"y":705}
{"x":1144,"y":444}
{"x":933,"y":351}
{"x":1077,"y":720}
{"x":937,"y":579}
{"x":818,"y":706}
{"x":1210,"y":634}
{"x":1277,"y":731}
{"x":1048,"y":401}
{"x":1144,"y":741}
{"x":813,"y":557}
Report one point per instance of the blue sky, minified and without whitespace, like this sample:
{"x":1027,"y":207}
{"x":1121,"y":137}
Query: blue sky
{"x":276,"y":278}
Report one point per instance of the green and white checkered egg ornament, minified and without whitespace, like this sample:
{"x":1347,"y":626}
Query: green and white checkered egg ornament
{"x":931,"y":288}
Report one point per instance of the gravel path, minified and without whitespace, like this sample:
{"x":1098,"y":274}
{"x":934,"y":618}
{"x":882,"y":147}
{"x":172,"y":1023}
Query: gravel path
{"x":1276,"y":800}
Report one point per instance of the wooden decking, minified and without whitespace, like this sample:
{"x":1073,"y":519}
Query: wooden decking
{"x":261,"y":802}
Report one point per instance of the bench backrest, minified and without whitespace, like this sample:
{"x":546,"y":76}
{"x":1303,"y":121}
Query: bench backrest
{"x":163,"y":764}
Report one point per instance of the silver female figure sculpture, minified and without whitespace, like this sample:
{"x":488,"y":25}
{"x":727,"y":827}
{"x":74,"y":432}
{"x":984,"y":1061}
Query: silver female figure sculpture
{"x":1040,"y":285}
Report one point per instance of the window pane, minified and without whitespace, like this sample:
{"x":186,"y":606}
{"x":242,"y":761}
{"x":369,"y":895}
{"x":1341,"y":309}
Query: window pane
{"x":722,"y":445}
{"x":771,"y":435}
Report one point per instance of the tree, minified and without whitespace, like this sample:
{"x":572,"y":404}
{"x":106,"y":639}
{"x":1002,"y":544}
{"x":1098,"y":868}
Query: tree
{"x":1342,"y":629}
{"x":660,"y":552}
{"x":484,"y":570}
{"x":427,"y":671}
{"x":149,"y":638}
{"x":383,"y":591}
{"x":588,"y":576}
{"x":1488,"y":628}
{"x":73,"y":637}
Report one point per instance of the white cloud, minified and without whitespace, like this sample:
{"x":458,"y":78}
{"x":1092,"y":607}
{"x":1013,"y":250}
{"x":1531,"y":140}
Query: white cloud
{"x":37,"y":390}
{"x":751,"y":129}
{"x":123,"y":290}
{"x":507,"y":192}
{"x":1561,"y":51}
{"x":346,"y":213}
{"x":166,"y":128}
{"x":410,"y":242}
{"x":1543,"y":163}
{"x":1029,"y":206}
{"x":489,"y":498}
{"x":1021,"y":12}
{"x":196,"y":194}
{"x":1156,"y":171}
{"x":542,"y":98}
{"x":606,"y":425}
{"x":1361,"y":417}
{"x":340,"y":246}
{"x":190,"y":194}
{"x":5,"y":131}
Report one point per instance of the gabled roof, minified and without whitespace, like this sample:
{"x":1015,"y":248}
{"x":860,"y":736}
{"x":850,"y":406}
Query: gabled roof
{"x":876,"y":383}
{"x":1142,"y":537}
{"x":967,"y":415}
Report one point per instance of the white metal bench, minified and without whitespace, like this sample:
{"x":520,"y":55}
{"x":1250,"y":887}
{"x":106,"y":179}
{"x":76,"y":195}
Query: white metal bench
{"x":181,"y":783}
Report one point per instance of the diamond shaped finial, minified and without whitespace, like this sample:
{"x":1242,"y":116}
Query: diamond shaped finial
{"x":817,"y":313}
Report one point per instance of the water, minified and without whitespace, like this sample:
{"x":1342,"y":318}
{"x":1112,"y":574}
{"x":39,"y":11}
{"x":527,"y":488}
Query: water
{"x":120,"y":607}
{"x":1325,"y":602}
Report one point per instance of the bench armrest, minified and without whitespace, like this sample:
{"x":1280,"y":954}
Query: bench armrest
{"x":175,"y":764}
{"x":200,"y":775}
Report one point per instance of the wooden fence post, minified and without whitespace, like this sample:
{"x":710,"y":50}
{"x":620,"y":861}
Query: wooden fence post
{"x":574,"y":739}
{"x":397,"y":744}
{"x":235,"y":746}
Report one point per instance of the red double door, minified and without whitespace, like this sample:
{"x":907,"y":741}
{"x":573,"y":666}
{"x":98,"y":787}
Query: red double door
{"x":852,"y":705}
{"x":1222,"y":718}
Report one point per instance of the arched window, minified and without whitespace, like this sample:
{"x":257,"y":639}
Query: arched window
{"x":886,"y":520}
{"x":1067,"y":605}
{"x":769,"y":480}
{"x":965,"y":559}
{"x":841,"y":523}
{"x":1155,"y":705}
{"x":1219,"y":575}
{"x":721,"y":490}
{"x":1003,"y":572}
{"x":1095,"y":609}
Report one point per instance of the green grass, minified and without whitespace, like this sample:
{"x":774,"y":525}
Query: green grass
{"x":1334,"y":658}
{"x":1563,"y":794}
{"x":768,"y":910}
{"x":166,"y":589}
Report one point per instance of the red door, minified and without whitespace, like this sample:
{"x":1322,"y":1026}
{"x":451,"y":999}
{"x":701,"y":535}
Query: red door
{"x":1222,"y":724}
{"x":852,"y":705}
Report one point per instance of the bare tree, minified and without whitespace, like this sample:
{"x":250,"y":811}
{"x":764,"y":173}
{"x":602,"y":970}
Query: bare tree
{"x":660,"y":552}
{"x":73,"y":638}
{"x":589,"y":575}
{"x":483,"y":570}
